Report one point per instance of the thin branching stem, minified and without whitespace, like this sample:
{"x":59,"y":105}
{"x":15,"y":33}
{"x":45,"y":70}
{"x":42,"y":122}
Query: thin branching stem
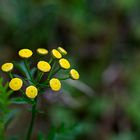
{"x":30,"y":129}
{"x":65,"y":78}
{"x":28,"y":70}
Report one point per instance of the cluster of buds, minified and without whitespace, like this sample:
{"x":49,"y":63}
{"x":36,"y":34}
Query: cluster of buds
{"x":47,"y":69}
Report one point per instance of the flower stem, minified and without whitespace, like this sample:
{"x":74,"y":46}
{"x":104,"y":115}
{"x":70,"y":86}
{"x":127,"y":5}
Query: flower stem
{"x":65,"y":78}
{"x":10,"y":74}
{"x":28,"y":70}
{"x":30,"y":129}
{"x":56,"y":71}
{"x":51,"y":60}
{"x":50,"y":74}
{"x":40,"y":74}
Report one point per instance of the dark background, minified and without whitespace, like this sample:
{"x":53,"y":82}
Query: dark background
{"x":102,"y":38}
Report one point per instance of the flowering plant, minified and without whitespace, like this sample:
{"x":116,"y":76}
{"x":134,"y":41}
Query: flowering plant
{"x":36,"y":79}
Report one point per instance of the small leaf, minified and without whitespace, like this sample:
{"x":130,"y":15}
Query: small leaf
{"x":19,"y":100}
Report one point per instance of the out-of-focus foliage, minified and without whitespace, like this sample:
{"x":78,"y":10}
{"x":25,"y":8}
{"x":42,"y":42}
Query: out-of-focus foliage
{"x":104,"y":38}
{"x":5,"y":113}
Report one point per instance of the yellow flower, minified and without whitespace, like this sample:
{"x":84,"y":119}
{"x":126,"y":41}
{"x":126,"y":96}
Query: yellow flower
{"x":31,"y":92}
{"x":25,"y":53}
{"x":62,"y":50}
{"x":74,"y":74}
{"x":42,"y":51}
{"x":16,"y":84}
{"x":56,"y":54}
{"x":7,"y":67}
{"x":55,"y":84}
{"x":64,"y":63}
{"x":43,"y":66}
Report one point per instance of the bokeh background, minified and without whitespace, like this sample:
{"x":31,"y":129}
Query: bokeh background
{"x":103,"y":41}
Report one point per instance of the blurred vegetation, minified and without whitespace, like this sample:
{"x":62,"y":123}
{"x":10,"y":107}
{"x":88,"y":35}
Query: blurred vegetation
{"x":5,"y":112}
{"x":103,"y":38}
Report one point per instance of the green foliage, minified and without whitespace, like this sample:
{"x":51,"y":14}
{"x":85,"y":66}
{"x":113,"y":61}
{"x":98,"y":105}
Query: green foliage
{"x":62,"y":133}
{"x":5,"y":113}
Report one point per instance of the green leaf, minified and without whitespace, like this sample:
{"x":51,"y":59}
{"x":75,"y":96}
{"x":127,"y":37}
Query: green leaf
{"x":5,"y":114}
{"x":19,"y":100}
{"x":9,"y":116}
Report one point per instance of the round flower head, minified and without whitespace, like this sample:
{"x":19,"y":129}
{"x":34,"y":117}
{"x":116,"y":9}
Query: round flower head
{"x":31,"y":92}
{"x":56,"y":54}
{"x":62,"y":50}
{"x":16,"y":84}
{"x":43,"y":66}
{"x":74,"y":74}
{"x":64,"y":63}
{"x":55,"y":84}
{"x":42,"y":51}
{"x":7,"y":67}
{"x":25,"y":53}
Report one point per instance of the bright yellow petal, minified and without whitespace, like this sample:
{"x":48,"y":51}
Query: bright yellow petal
{"x":55,"y":84}
{"x":64,"y":63}
{"x":74,"y":74}
{"x":43,"y":66}
{"x":16,"y":84}
{"x":31,"y":92}
{"x":42,"y":51}
{"x":56,"y":54}
{"x":7,"y":67}
{"x":62,"y":50}
{"x":25,"y":53}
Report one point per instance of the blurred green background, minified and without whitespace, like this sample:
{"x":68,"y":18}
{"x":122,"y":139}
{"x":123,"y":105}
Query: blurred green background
{"x":103,"y":41}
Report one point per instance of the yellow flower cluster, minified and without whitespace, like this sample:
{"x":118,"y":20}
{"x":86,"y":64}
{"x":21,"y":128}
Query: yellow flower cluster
{"x":43,"y":67}
{"x":16,"y":84}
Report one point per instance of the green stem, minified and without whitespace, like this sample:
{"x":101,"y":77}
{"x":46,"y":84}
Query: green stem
{"x":10,"y":74}
{"x":51,"y":60}
{"x":39,"y":76}
{"x":22,"y":92}
{"x":27,"y":80}
{"x":50,"y":74}
{"x":28,"y":70}
{"x":32,"y":121}
{"x":65,"y":78}
{"x":56,"y":71}
{"x":45,"y":85}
